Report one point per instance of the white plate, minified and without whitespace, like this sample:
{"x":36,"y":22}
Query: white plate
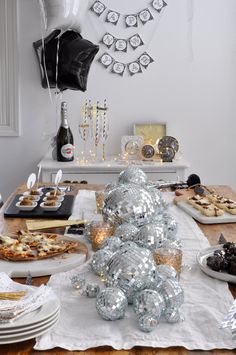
{"x":43,"y":267}
{"x":26,"y":207}
{"x":46,"y":311}
{"x":59,"y":198}
{"x":9,"y":333}
{"x":27,"y":193}
{"x":36,"y":198}
{"x":50,"y":208}
{"x":202,"y":261}
{"x":28,"y":335}
{"x":50,"y":194}
{"x":226,"y":218}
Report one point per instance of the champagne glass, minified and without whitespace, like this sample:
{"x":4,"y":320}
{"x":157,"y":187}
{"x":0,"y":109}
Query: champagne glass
{"x":104,"y":130}
{"x":84,"y":130}
{"x":97,"y":130}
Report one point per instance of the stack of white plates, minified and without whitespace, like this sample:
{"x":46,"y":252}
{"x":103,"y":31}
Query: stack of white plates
{"x":30,"y":325}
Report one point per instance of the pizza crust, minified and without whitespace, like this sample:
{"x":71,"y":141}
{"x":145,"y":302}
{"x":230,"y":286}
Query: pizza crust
{"x":28,"y":246}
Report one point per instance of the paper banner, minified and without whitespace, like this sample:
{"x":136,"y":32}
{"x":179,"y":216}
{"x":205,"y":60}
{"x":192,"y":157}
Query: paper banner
{"x":131,"y":20}
{"x":134,"y":68}
{"x":106,"y":60}
{"x":145,"y":16}
{"x":135,"y":41}
{"x":158,"y":5}
{"x":112,"y":17}
{"x":118,"y":68}
{"x":121,"y":45}
{"x":108,"y":40}
{"x":145,"y":60}
{"x":98,"y":8}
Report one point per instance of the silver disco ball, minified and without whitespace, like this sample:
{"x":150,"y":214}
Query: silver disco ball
{"x":148,"y":301}
{"x":126,"y":231}
{"x":129,"y":203}
{"x":134,"y":175}
{"x":111,"y":243}
{"x":170,"y":225}
{"x":172,"y":315}
{"x":172,"y":293}
{"x":99,"y":261}
{"x":131,"y":269}
{"x":147,"y":322}
{"x":157,"y":198}
{"x":111,"y":303}
{"x":109,"y":188}
{"x":150,"y":236}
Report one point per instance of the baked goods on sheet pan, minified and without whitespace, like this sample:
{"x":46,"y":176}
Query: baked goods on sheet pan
{"x":213,"y":205}
{"x":28,"y":246}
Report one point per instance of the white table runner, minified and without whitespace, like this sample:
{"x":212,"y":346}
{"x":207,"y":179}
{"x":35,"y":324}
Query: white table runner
{"x":207,"y":301}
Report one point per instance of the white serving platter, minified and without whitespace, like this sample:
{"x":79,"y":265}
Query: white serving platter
{"x":43,"y":267}
{"x":226,"y":218}
{"x":202,"y":261}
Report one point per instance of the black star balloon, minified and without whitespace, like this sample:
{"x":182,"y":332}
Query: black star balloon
{"x":65,"y":60}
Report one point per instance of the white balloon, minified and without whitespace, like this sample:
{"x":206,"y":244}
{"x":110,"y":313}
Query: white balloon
{"x":63,"y":14}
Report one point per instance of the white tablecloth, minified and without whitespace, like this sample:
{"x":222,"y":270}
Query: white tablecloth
{"x":207,"y":301}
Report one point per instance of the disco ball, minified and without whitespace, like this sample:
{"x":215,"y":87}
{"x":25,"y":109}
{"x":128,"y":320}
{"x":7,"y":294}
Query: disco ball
{"x":111,"y":303}
{"x":132,"y":174}
{"x":129,"y":203}
{"x":126,"y":231}
{"x":147,"y":322}
{"x":172,"y":315}
{"x":99,"y":261}
{"x":148,"y":301}
{"x":172,"y":293}
{"x":166,"y":271}
{"x":111,"y":243}
{"x":150,"y":236}
{"x":170,"y":225}
{"x":131,"y":269}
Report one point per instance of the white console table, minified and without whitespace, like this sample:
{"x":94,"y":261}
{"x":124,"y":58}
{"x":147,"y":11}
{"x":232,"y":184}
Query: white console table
{"x":104,"y":172}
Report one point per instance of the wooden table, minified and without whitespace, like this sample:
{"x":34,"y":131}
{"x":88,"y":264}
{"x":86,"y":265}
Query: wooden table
{"x":212,"y":232}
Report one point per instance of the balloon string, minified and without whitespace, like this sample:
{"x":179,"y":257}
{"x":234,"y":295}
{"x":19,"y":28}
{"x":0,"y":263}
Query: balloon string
{"x":43,"y":23}
{"x":190,"y":15}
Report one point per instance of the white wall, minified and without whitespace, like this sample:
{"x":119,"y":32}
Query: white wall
{"x":193,"y":93}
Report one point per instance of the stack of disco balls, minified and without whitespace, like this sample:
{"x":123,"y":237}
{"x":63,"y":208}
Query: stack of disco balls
{"x":125,"y":260}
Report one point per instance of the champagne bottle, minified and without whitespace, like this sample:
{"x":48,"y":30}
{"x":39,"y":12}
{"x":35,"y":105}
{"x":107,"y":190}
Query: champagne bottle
{"x":65,"y":140}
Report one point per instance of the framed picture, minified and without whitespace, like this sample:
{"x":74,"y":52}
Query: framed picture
{"x":151,"y":132}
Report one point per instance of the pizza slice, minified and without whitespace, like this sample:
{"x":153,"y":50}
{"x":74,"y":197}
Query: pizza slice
{"x":34,"y":246}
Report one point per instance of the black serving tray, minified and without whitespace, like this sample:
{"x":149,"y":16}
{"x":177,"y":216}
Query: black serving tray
{"x":63,"y":212}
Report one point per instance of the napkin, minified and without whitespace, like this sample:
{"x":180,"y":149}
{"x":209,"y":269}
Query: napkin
{"x":35,"y":297}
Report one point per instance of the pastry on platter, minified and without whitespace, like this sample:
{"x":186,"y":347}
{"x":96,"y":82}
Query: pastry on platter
{"x":222,"y":202}
{"x":203,"y":205}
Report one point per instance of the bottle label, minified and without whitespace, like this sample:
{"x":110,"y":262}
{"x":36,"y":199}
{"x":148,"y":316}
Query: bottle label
{"x":67,"y":151}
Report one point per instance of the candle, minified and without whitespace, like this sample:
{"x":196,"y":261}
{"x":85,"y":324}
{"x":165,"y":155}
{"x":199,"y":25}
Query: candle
{"x":99,"y":231}
{"x":100,"y":196}
{"x":171,"y":257}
